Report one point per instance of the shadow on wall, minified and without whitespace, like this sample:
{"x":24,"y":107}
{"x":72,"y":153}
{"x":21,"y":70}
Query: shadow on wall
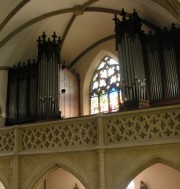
{"x":157,"y":176}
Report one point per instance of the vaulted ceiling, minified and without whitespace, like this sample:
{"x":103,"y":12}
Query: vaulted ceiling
{"x":82,"y":24}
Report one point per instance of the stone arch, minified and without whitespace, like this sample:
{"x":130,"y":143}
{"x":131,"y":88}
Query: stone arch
{"x":35,"y":179}
{"x":89,"y":74}
{"x":4,"y":181}
{"x":144,"y":166}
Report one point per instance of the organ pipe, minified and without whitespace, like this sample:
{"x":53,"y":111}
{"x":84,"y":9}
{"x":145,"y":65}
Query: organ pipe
{"x":129,"y":46}
{"x":33,"y":88}
{"x":22,"y":93}
{"x":149,"y":63}
{"x":48,"y":61}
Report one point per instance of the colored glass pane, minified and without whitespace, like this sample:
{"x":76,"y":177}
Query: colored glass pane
{"x":95,"y":85}
{"x":118,"y":77}
{"x":104,"y":103}
{"x":106,"y":58}
{"x":103,"y":74}
{"x":114,"y":102}
{"x":101,"y":65}
{"x":113,"y":79}
{"x":102,"y":83}
{"x":112,"y":61}
{"x":111,"y":71}
{"x":95,"y":77}
{"x":105,"y":97}
{"x":120,"y":96}
{"x":94,"y":105}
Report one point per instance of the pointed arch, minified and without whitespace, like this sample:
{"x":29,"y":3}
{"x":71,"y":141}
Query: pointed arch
{"x":139,"y":168}
{"x":105,"y":93}
{"x":87,"y":80}
{"x":4,"y":181}
{"x":35,"y":179}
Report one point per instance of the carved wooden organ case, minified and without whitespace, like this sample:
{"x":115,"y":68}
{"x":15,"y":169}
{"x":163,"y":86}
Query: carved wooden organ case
{"x":48,"y":76}
{"x":22,"y":93}
{"x":149,"y":63}
{"x":33,"y":88}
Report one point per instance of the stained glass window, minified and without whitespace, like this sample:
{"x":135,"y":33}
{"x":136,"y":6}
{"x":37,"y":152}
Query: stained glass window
{"x":105,"y":94}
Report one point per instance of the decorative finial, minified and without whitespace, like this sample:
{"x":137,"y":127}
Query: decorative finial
{"x":54,"y":37}
{"x":59,"y":40}
{"x":39,"y":40}
{"x":44,"y":36}
{"x":173,"y":27}
{"x":123,"y":14}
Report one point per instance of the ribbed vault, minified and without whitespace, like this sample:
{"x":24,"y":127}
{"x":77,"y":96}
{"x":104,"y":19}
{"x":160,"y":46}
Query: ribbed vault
{"x":81,"y":24}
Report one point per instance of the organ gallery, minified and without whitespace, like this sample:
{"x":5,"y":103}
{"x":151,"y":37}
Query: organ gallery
{"x":149,"y":74}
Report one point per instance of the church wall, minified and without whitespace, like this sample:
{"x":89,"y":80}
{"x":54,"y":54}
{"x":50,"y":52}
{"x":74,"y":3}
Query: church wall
{"x":61,"y":178}
{"x":86,"y":67}
{"x":93,"y":148}
{"x":121,"y":166}
{"x":159,"y":176}
{"x":6,"y":170}
{"x":82,"y":165}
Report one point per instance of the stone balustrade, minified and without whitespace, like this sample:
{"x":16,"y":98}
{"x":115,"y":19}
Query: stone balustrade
{"x":101,"y":131}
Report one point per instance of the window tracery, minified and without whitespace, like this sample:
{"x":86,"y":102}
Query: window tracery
{"x":105,"y":94}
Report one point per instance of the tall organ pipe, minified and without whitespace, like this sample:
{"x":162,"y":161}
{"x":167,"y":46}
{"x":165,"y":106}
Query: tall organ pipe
{"x":131,"y":56}
{"x":48,"y":59}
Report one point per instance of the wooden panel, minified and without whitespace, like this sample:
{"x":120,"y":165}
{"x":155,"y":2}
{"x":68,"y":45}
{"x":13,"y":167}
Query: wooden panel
{"x":69,"y":101}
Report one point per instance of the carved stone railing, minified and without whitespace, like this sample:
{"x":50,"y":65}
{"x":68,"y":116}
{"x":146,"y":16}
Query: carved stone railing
{"x":59,"y":134}
{"x":7,"y":140}
{"x":151,"y":125}
{"x":141,"y":127}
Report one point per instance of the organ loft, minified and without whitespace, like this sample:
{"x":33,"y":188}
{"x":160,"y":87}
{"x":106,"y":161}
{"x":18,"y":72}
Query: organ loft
{"x":149,"y":73}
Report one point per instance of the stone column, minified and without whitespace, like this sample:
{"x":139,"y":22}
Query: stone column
{"x":101,"y":170}
{"x":100,"y":151}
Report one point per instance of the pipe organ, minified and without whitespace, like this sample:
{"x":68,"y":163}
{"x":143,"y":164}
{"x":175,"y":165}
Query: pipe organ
{"x":34,"y":88}
{"x":163,"y":52}
{"x":48,"y":63}
{"x":149,"y":63}
{"x":22,"y":92}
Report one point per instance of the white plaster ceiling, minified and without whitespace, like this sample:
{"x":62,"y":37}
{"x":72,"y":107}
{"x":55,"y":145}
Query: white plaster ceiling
{"x":80,"y":23}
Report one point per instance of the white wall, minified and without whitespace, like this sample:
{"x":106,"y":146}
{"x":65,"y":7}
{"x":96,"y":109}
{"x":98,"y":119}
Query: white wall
{"x":1,"y":185}
{"x":61,"y":179}
{"x":159,"y":176}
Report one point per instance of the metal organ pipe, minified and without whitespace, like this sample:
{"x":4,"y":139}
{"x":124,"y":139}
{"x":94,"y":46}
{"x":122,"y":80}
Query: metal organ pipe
{"x":157,"y":76}
{"x":155,"y":73}
{"x":149,"y":57}
{"x":133,"y":68}
{"x":134,"y":94}
{"x":147,"y":61}
{"x":171,"y":72}
{"x":127,"y":66}
{"x":33,"y":88}
{"x":168,"y":71}
{"x":122,"y":73}
{"x":48,"y":76}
